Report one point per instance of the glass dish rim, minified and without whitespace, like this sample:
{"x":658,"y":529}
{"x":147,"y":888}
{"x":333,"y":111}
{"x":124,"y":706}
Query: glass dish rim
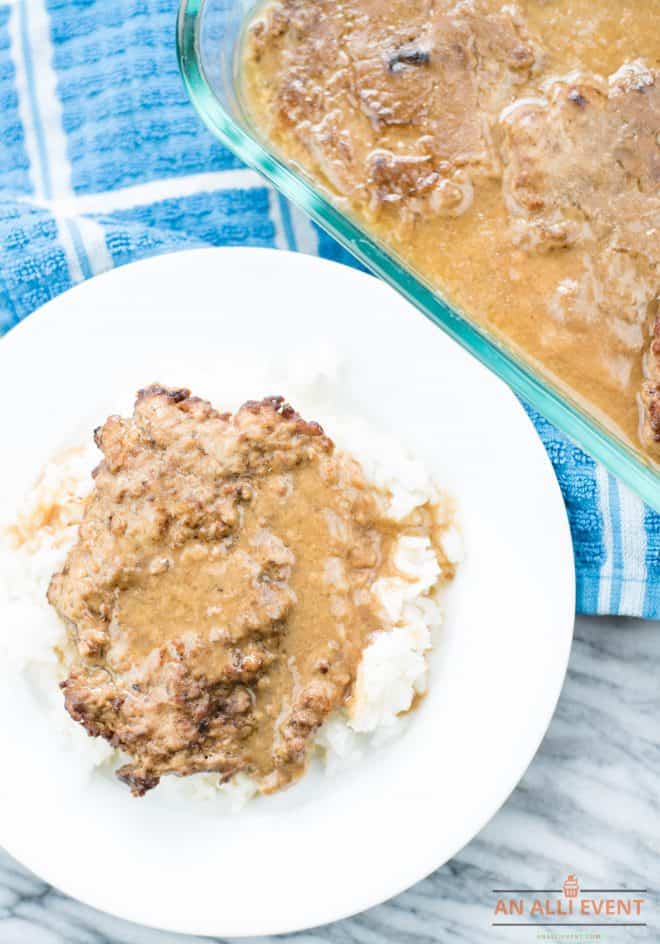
{"x":602,"y":446}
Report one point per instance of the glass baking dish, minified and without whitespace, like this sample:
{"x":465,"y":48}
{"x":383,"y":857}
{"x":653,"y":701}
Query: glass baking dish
{"x":209,"y":37}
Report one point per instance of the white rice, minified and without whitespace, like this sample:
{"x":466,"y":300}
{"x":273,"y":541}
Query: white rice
{"x":394,"y":667}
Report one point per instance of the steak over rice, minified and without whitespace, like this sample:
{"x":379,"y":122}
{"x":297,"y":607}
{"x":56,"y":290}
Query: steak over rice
{"x":220,"y":593}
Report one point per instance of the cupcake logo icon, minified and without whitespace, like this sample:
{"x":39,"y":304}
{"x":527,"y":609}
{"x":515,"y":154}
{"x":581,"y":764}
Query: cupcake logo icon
{"x":571,"y":887}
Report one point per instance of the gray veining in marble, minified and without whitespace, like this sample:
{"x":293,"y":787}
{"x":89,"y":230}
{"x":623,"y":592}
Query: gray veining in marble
{"x":589,"y":804}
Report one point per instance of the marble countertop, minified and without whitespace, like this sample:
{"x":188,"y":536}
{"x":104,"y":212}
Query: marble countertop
{"x":589,"y":804}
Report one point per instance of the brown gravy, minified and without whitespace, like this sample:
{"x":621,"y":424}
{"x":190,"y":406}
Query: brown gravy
{"x":396,"y":109}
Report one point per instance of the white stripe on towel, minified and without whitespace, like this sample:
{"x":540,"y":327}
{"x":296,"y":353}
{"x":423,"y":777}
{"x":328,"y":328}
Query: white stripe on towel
{"x":605,"y":584}
{"x":25,"y":111}
{"x":306,"y":236}
{"x":275,"y":213}
{"x":169,"y":188}
{"x":46,"y":144}
{"x":633,"y":552}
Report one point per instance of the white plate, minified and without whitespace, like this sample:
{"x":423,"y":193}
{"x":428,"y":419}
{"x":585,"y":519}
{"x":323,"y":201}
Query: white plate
{"x":346,"y":842}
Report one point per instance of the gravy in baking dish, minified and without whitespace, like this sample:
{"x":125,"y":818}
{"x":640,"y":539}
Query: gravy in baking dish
{"x":509,"y":153}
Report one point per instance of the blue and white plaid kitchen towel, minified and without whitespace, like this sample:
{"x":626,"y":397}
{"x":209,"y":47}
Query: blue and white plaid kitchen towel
{"x":103,"y":160}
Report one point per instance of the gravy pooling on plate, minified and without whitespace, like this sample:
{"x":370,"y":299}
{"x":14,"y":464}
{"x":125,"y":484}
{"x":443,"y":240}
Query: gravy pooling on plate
{"x":509,"y":153}
{"x":220,"y":593}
